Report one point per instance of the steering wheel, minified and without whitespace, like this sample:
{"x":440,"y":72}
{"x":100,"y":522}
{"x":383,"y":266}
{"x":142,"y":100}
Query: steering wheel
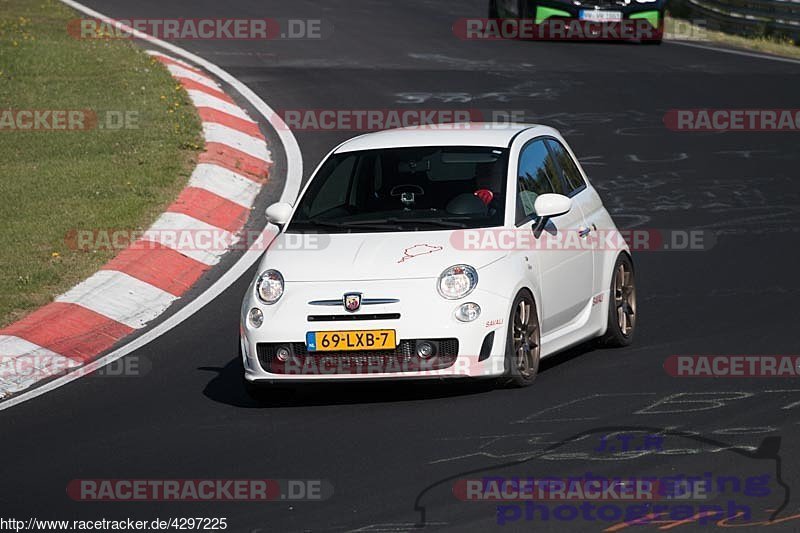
{"x":399,"y":190}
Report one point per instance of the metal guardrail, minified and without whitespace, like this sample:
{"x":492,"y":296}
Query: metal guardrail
{"x":746,"y":17}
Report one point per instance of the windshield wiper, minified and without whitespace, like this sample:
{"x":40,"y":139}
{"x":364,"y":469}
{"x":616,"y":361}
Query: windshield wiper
{"x":396,"y":220}
{"x":395,"y":223}
{"x":377,"y":224}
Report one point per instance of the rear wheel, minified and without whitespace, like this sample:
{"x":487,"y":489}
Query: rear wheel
{"x":622,"y":310}
{"x":523,"y":343}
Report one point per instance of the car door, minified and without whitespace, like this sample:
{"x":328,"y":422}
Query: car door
{"x":565,"y":268}
{"x":587,"y":200}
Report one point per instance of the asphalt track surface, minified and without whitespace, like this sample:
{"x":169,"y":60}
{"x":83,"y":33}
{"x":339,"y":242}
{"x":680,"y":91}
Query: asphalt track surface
{"x":392,"y":451}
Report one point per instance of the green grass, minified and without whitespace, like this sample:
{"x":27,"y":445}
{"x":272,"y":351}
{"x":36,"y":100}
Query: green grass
{"x":768,"y":45}
{"x":52,"y":182}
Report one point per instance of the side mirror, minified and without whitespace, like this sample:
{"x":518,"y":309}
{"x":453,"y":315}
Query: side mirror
{"x":548,"y":206}
{"x":279,"y":213}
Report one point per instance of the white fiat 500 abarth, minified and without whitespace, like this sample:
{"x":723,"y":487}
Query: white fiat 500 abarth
{"x":465,"y":251}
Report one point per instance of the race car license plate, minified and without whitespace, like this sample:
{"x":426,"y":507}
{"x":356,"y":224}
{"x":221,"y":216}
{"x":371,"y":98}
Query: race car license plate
{"x":346,"y":341}
{"x":596,"y":15}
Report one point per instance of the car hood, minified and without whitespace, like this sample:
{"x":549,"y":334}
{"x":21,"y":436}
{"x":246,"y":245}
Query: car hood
{"x":374,"y":256}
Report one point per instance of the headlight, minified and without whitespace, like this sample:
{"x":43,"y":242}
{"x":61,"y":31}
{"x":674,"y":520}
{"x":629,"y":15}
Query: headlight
{"x":269,"y":286}
{"x":457,"y":281}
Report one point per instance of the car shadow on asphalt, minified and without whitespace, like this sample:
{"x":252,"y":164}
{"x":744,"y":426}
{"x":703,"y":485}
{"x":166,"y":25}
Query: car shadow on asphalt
{"x":227,"y":387}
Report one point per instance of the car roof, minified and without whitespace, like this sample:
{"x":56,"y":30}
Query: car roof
{"x":458,"y":134}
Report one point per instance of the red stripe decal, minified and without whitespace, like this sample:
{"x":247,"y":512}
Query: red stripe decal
{"x":236,"y":160}
{"x":70,"y":330}
{"x":158,"y":265}
{"x":208,"y":114}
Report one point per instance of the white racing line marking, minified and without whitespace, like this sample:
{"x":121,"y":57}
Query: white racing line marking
{"x":119,"y":297}
{"x":201,"y":99}
{"x":217,"y":133}
{"x":294,"y":173}
{"x":225,"y":183}
{"x":39,"y":363}
{"x":736,"y":52}
{"x":169,"y":227}
{"x":181,"y":72}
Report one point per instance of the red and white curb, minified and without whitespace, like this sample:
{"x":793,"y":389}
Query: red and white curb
{"x":144,"y":280}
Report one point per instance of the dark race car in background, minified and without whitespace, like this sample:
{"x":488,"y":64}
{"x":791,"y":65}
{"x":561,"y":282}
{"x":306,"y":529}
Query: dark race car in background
{"x":637,"y":20}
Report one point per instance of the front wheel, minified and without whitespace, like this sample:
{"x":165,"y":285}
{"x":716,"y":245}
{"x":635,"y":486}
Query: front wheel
{"x":622,"y":311}
{"x":523,"y":342}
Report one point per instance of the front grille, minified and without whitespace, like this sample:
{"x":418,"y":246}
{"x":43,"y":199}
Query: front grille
{"x":403,"y":358}
{"x":345,"y":318}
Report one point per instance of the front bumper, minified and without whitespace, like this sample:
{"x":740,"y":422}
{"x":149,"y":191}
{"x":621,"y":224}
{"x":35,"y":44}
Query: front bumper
{"x":557,"y":19}
{"x":546,"y":9}
{"x":464,"y":350}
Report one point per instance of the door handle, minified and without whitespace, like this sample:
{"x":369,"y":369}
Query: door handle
{"x":584,"y":232}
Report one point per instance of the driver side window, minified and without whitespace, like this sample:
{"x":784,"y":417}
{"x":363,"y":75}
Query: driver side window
{"x":537,"y":174}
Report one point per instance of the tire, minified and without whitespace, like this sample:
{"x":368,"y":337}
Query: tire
{"x":622,"y":310}
{"x":523,"y":342}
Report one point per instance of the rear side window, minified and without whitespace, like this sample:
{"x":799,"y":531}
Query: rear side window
{"x":568,"y":167}
{"x":537,"y":174}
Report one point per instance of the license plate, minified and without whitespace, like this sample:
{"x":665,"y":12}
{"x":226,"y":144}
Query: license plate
{"x":596,"y":15}
{"x":346,"y":341}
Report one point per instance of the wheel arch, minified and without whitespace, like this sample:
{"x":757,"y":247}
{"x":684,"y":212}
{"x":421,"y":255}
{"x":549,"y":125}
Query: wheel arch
{"x":608,"y":273}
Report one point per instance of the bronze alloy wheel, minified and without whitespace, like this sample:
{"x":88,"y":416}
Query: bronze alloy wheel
{"x":622,"y":311}
{"x":524,"y":341}
{"x":625,"y":298}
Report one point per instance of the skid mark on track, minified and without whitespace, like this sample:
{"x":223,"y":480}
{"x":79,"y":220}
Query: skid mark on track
{"x":600,"y":408}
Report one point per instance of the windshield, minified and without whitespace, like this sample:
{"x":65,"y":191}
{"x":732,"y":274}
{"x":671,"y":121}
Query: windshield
{"x":406,"y":189}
